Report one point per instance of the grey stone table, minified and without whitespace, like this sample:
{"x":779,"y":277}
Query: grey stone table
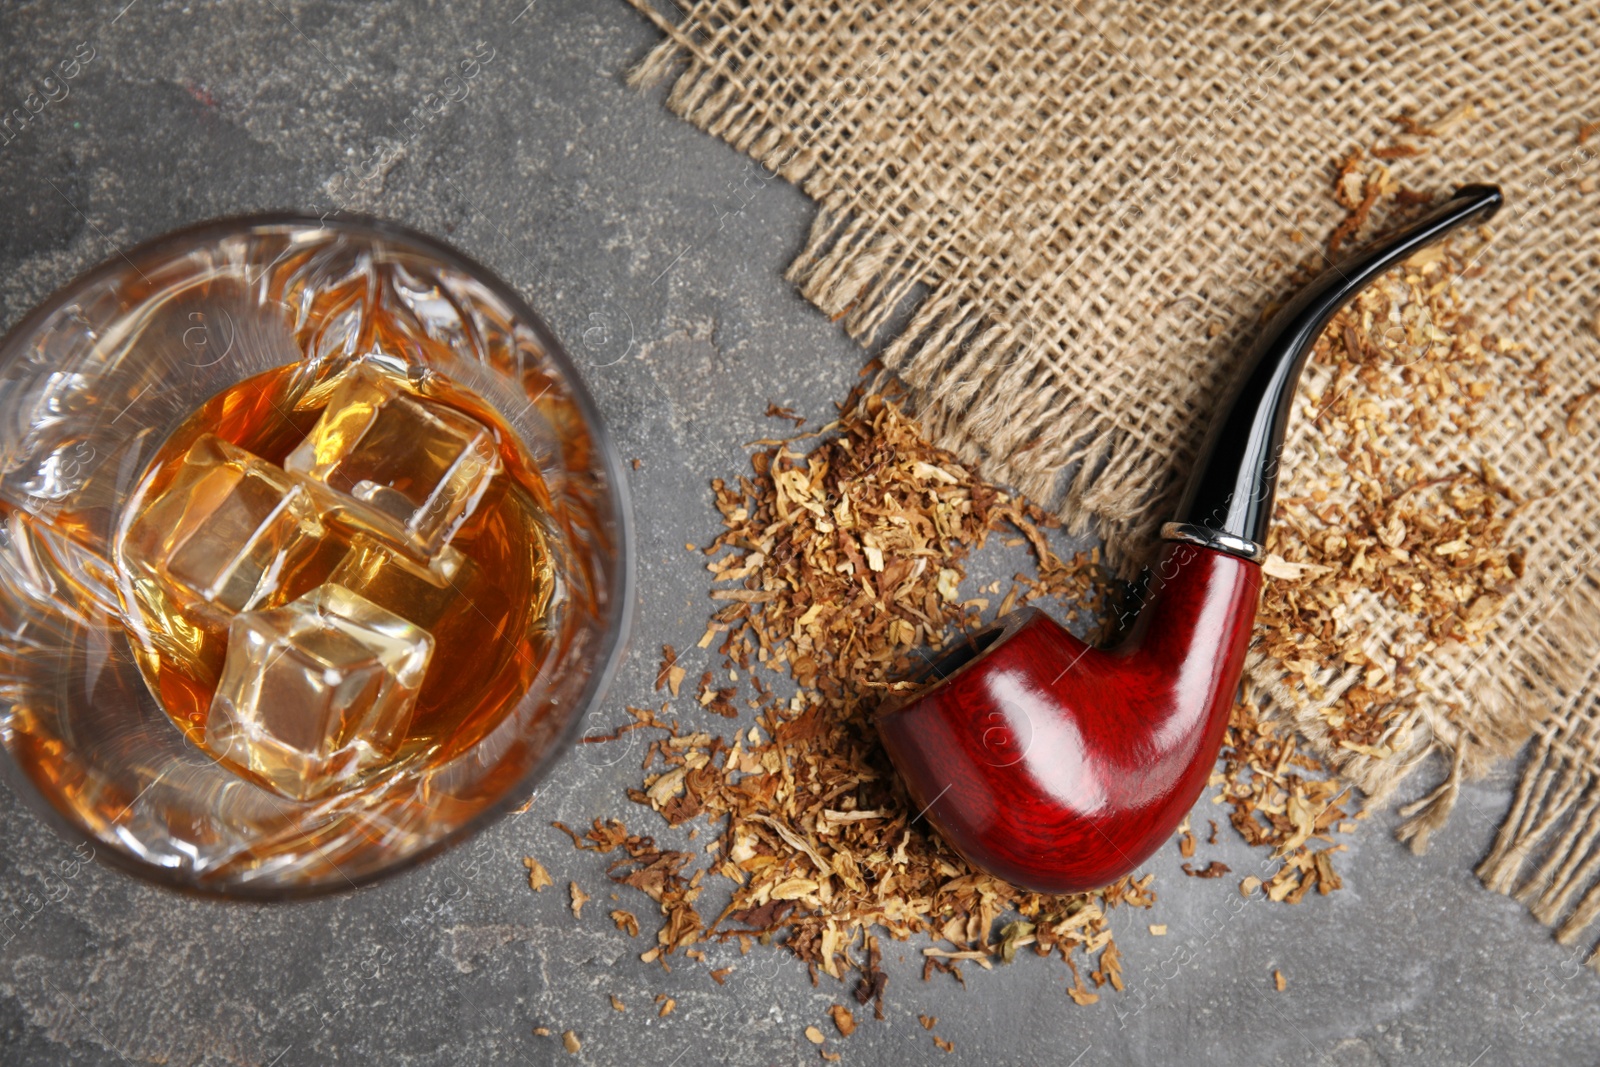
{"x":657,"y":254}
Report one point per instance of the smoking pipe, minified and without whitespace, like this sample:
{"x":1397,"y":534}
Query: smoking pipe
{"x":1060,"y":767}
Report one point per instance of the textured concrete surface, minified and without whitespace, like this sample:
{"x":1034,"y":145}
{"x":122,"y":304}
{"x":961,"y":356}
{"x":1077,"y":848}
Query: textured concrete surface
{"x":656,"y":253}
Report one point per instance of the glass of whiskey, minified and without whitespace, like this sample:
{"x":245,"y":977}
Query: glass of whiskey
{"x":313,"y":553}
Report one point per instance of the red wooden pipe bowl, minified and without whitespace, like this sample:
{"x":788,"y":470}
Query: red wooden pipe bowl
{"x":1060,"y":767}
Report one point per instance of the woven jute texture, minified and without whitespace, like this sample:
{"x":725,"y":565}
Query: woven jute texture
{"x":1062,"y":222}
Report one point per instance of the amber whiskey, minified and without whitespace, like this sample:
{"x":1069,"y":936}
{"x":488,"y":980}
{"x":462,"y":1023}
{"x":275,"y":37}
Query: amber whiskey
{"x":329,"y":580}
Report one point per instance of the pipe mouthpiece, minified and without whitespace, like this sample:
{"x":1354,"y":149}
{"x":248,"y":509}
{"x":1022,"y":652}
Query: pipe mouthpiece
{"x":1231,"y":491}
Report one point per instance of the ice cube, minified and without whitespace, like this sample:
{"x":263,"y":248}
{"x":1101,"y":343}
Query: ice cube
{"x":316,"y":692}
{"x":422,"y":464}
{"x":229,"y":529}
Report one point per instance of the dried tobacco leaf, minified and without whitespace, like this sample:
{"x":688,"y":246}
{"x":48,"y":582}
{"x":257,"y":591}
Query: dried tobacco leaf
{"x":670,"y":675}
{"x":1214,"y":869}
{"x":1078,"y":991}
{"x":1327,"y":880}
{"x":776,"y":412}
{"x":538,"y":877}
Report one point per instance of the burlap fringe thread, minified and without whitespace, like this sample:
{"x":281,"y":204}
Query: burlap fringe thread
{"x":1547,"y":853}
{"x":987,"y":384}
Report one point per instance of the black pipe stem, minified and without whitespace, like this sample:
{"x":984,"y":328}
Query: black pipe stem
{"x":1232,"y":488}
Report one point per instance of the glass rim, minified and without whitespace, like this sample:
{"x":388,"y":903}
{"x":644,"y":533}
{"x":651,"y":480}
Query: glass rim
{"x":616,"y":623}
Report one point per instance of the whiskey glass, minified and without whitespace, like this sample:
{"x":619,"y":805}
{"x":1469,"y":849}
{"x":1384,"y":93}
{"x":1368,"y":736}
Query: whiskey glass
{"x":274,"y":325}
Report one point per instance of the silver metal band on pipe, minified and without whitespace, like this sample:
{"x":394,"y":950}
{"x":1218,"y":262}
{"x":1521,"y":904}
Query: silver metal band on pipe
{"x":1214,"y":539}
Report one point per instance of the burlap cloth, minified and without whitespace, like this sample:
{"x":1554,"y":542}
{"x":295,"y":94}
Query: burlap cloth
{"x":1088,"y":206}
